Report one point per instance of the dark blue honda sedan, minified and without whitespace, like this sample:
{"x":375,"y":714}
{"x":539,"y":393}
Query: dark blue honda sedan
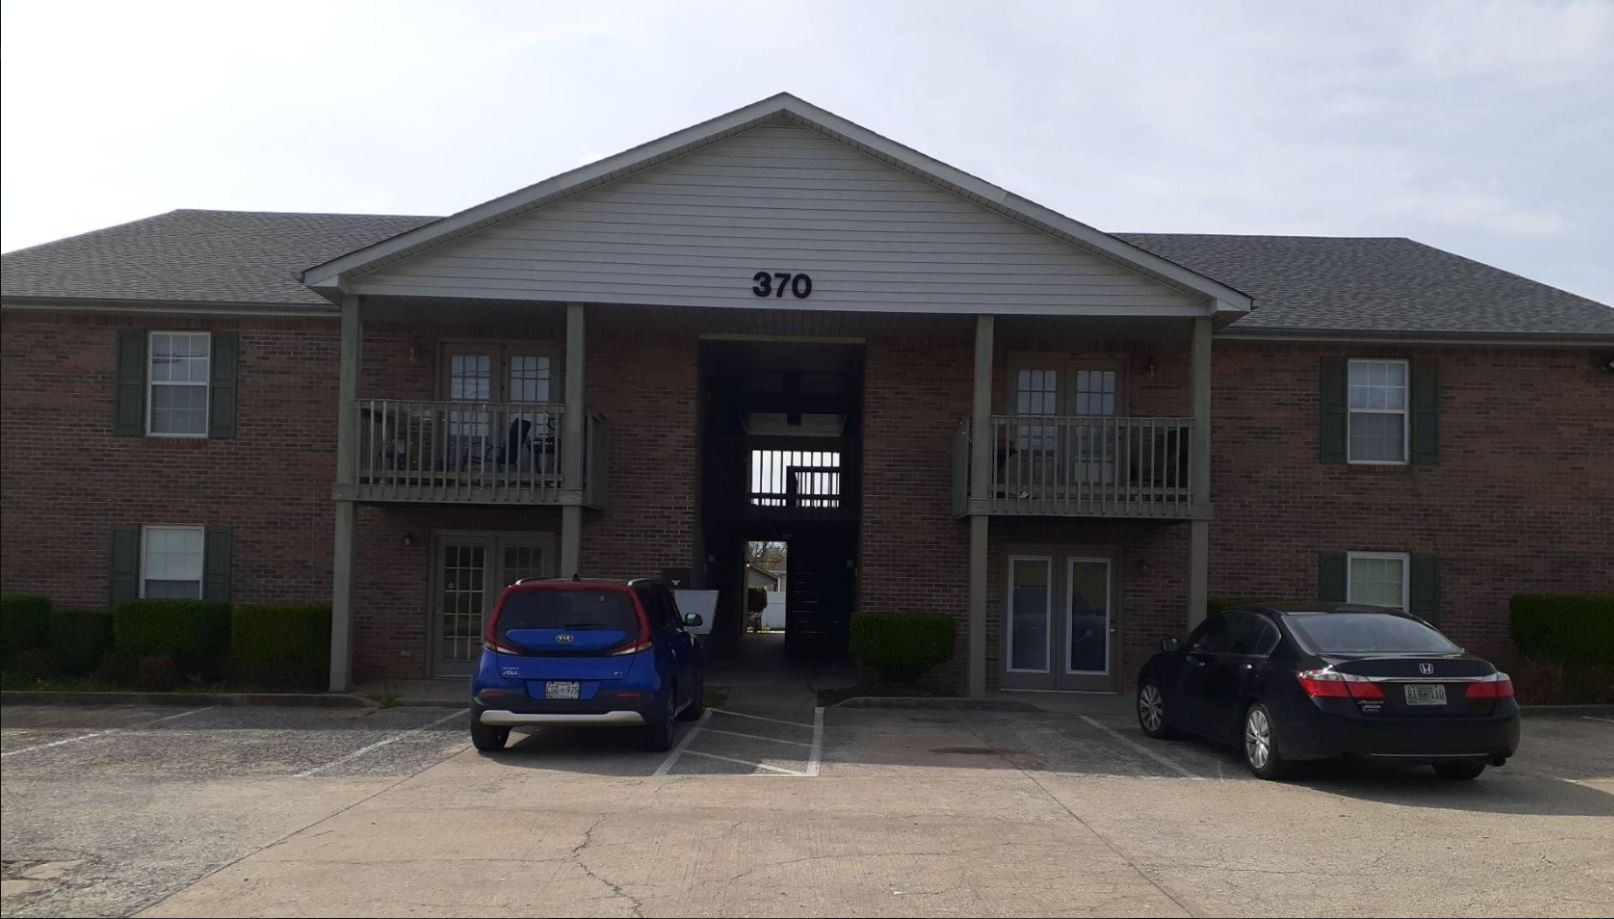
{"x":587,"y":653}
{"x":1320,"y":681}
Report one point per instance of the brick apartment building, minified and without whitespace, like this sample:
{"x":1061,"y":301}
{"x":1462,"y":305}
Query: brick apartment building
{"x":780,"y":325}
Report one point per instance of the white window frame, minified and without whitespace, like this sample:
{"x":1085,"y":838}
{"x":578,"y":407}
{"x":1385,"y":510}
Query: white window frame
{"x":1405,"y":412}
{"x":145,"y":531}
{"x":1109,"y":609}
{"x":207,"y":384}
{"x":1405,"y":558}
{"x":1048,"y":615}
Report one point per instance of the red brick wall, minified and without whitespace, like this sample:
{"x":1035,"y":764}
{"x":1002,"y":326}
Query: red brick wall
{"x":66,"y":480}
{"x":1521,"y":501}
{"x":914,"y":554}
{"x":642,"y":376}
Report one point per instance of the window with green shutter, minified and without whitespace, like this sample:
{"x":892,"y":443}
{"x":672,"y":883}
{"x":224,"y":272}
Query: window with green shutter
{"x":129,"y":414}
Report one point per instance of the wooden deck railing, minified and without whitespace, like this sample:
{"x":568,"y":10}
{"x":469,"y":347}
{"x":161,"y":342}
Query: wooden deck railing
{"x":1053,"y":465}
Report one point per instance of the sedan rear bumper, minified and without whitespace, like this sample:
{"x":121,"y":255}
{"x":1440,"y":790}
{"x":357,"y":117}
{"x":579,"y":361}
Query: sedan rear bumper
{"x":506,"y":718}
{"x":1491,"y":739}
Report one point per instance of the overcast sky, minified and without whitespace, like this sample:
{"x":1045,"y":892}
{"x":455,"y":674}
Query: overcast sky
{"x":1486,"y":128}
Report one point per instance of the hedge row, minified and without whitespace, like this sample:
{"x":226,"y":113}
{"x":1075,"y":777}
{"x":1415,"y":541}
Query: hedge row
{"x":1569,"y":629}
{"x":271,"y":645}
{"x":901,"y":647}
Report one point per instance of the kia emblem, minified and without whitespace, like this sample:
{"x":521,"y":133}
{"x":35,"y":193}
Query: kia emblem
{"x":1426,"y":669}
{"x":564,"y":638}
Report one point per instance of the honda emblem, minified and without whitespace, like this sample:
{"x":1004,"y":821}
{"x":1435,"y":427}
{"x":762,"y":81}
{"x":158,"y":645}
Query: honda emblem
{"x":1426,"y":669}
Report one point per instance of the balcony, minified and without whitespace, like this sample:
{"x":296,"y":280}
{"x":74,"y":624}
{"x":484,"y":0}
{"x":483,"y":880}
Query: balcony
{"x":443,"y":452}
{"x":1059,"y":466}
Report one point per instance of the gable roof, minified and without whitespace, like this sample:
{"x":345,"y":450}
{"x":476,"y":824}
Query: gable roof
{"x":329,"y":277}
{"x":1302,"y":285}
{"x":1308,"y":285}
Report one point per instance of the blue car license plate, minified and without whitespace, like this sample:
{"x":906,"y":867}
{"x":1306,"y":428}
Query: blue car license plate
{"x":562,"y":689}
{"x":1426,"y":694}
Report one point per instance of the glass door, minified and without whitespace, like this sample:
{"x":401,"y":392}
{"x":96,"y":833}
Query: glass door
{"x":1028,"y":623}
{"x":472,"y":570}
{"x":1089,"y":639}
{"x":1095,"y":448}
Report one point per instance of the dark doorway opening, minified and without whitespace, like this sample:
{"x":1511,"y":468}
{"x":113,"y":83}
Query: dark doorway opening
{"x":781,"y":461}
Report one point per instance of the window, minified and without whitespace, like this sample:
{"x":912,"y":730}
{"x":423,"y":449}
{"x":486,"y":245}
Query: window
{"x":178,"y":375}
{"x":1377,"y":578}
{"x":1251,"y":634}
{"x":171,"y":562}
{"x":1213,"y":636}
{"x":1378,"y":412}
{"x":1366,"y":633}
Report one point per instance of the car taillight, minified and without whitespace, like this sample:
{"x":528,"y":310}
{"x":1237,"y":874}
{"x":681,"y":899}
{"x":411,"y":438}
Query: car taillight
{"x":641,"y":642}
{"x":1331,"y":684}
{"x":489,"y":644}
{"x":1495,"y":686}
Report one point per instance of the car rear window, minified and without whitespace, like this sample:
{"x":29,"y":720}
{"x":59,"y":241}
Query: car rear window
{"x":572,"y":610}
{"x":1368,"y":633}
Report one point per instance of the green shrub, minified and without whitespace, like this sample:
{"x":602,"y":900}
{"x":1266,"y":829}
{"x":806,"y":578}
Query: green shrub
{"x":756,"y":599}
{"x":282,"y":645}
{"x":1217,"y":606}
{"x":195,"y":633}
{"x":79,"y":638}
{"x":34,"y":662}
{"x":1570,"y":629}
{"x":901,"y":647}
{"x":24,"y":625}
{"x":115,"y":670}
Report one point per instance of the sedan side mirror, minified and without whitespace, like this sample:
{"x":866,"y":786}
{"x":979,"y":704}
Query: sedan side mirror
{"x":693,"y":620}
{"x":1170,"y":645}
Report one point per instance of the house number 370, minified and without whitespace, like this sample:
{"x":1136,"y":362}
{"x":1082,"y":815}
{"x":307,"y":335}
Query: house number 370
{"x":801,"y":286}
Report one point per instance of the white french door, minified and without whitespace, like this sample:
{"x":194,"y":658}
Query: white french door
{"x":472,"y":569}
{"x":1060,"y":628}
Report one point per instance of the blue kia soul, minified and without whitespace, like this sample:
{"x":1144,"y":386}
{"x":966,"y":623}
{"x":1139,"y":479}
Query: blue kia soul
{"x":587,"y":653}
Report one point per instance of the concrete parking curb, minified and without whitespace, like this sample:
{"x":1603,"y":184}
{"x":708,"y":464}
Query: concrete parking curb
{"x":294,"y":699}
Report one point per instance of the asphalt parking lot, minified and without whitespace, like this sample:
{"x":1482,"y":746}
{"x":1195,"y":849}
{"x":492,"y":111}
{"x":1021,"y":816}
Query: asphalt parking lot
{"x":266,"y":811}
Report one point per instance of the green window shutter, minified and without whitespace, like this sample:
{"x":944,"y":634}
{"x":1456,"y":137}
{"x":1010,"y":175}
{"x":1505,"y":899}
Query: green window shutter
{"x":125,"y":584}
{"x":1423,"y":591}
{"x":221,"y":383}
{"x":1425,"y":413}
{"x":1331,"y":577}
{"x":129,"y":419}
{"x":1331,"y":400}
{"x":216,"y":564}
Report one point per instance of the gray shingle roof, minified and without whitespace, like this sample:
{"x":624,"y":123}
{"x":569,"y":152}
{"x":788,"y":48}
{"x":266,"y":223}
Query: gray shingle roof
{"x":190,"y":256}
{"x":1300,"y":283}
{"x":1376,"y":285}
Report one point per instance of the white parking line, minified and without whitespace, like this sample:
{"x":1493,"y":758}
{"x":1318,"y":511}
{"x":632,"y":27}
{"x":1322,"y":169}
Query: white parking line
{"x":744,"y":762}
{"x":793,"y":743}
{"x":818,"y":741}
{"x":678,"y":751}
{"x":378,"y":744}
{"x":794,"y":724}
{"x":1144,"y":750}
{"x":1594,"y":718}
{"x":107,"y":733}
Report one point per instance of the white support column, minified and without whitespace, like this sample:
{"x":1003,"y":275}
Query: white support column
{"x":979,"y":503}
{"x":573,"y":430}
{"x":1199,"y":477}
{"x":350,"y":355}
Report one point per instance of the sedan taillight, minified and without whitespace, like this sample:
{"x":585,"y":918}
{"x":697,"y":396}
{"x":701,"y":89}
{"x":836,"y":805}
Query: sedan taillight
{"x":1331,"y":684}
{"x":1495,"y":686}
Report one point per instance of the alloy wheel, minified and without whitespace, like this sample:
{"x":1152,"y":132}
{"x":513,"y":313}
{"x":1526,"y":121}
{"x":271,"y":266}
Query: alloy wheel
{"x":1257,"y":738}
{"x":1151,"y":709}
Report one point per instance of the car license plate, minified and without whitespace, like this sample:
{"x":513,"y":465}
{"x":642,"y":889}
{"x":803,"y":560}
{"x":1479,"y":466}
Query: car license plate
{"x":1426,"y":694}
{"x":570,"y":689}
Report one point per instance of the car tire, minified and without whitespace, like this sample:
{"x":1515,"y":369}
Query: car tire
{"x":1260,"y":744}
{"x":697,"y":702}
{"x":1459,"y":772}
{"x":1152,"y":710}
{"x":489,"y":739}
{"x":658,"y":727}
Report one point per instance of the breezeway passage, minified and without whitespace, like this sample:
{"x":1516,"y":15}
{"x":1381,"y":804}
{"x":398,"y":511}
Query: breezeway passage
{"x":314,"y":811}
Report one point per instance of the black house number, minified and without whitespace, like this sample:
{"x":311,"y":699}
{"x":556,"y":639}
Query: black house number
{"x":801,"y":286}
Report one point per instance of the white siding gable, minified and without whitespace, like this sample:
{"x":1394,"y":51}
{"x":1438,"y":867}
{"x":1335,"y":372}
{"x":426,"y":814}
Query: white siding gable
{"x":692,"y":231}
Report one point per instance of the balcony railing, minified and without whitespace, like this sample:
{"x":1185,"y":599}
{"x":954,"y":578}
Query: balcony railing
{"x":471,"y":453}
{"x":1051,"y":465}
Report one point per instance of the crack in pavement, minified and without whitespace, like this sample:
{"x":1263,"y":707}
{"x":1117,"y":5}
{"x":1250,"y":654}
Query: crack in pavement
{"x":616,"y":889}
